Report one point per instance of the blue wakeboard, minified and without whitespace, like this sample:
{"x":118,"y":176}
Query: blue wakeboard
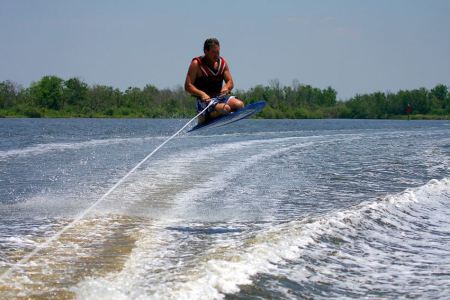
{"x":240,"y":114}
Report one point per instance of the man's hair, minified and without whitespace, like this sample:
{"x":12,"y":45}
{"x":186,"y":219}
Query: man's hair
{"x":210,"y":43}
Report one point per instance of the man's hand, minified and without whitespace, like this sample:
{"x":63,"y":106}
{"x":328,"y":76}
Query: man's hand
{"x":205,"y":97}
{"x":224,"y":91}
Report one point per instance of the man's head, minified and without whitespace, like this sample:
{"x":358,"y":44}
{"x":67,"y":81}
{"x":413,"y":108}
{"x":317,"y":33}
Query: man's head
{"x":211,"y":48}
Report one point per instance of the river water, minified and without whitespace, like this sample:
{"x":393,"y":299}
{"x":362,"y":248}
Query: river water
{"x":260,"y":209}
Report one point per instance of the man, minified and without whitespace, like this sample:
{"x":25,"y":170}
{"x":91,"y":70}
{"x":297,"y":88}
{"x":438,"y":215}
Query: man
{"x":205,"y":79}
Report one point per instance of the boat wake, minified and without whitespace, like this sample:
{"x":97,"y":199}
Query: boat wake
{"x":311,"y":253}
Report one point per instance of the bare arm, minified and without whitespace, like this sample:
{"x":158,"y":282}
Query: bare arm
{"x":229,"y":84}
{"x":190,"y":79}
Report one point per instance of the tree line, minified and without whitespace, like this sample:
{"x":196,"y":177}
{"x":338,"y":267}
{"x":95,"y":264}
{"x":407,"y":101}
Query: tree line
{"x":52,"y":96}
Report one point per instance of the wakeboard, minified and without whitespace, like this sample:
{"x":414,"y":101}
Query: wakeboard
{"x":245,"y":112}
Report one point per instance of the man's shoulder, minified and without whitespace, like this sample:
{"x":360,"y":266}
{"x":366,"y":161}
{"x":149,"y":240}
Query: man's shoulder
{"x":196,"y":61}
{"x":195,"y":66}
{"x":224,"y":61}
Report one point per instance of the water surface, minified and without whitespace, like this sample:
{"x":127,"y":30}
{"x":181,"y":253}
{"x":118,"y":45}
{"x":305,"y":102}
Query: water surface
{"x":259,"y":209}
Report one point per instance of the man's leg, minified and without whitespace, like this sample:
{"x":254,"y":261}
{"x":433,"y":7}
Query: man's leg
{"x":232,"y":104}
{"x":221,"y":109}
{"x":203,"y":117}
{"x":235,"y":103}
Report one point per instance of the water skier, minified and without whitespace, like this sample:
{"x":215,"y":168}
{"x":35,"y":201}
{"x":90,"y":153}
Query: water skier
{"x":205,"y":79}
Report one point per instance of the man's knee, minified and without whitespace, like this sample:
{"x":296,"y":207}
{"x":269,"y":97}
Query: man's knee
{"x":236,"y":103}
{"x":223,"y":108}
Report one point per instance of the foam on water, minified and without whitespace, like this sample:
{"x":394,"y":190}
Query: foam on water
{"x":40,"y":149}
{"x":394,"y":247}
{"x":227,"y":263}
{"x":180,"y":179}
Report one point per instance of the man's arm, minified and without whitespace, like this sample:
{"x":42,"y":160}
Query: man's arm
{"x":229,"y":84}
{"x":190,"y":79}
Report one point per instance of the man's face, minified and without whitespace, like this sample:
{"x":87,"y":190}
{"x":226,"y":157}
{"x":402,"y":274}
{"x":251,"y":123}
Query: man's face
{"x":213,"y":53}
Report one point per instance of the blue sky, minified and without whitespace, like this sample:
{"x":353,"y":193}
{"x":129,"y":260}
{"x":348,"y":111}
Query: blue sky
{"x":352,"y":46}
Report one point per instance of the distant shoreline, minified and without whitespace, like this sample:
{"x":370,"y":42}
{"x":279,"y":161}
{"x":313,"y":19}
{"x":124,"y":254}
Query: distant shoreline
{"x":53,"y":97}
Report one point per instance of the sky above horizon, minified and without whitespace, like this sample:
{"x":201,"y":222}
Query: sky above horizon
{"x":353,"y":46}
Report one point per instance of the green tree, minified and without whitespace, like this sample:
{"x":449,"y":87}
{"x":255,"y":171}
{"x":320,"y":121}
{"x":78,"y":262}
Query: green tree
{"x":440,"y":99}
{"x":133,"y":97}
{"x":440,"y":92}
{"x":48,"y":92}
{"x":75,"y":91}
{"x":378,"y":105}
{"x":9,"y":92}
{"x":101,"y":98}
{"x":418,"y":98}
{"x":328,"y":97}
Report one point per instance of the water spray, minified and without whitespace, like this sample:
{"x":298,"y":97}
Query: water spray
{"x":57,"y":235}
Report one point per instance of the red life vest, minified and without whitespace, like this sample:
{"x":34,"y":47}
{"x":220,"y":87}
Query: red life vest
{"x":211,"y":80}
